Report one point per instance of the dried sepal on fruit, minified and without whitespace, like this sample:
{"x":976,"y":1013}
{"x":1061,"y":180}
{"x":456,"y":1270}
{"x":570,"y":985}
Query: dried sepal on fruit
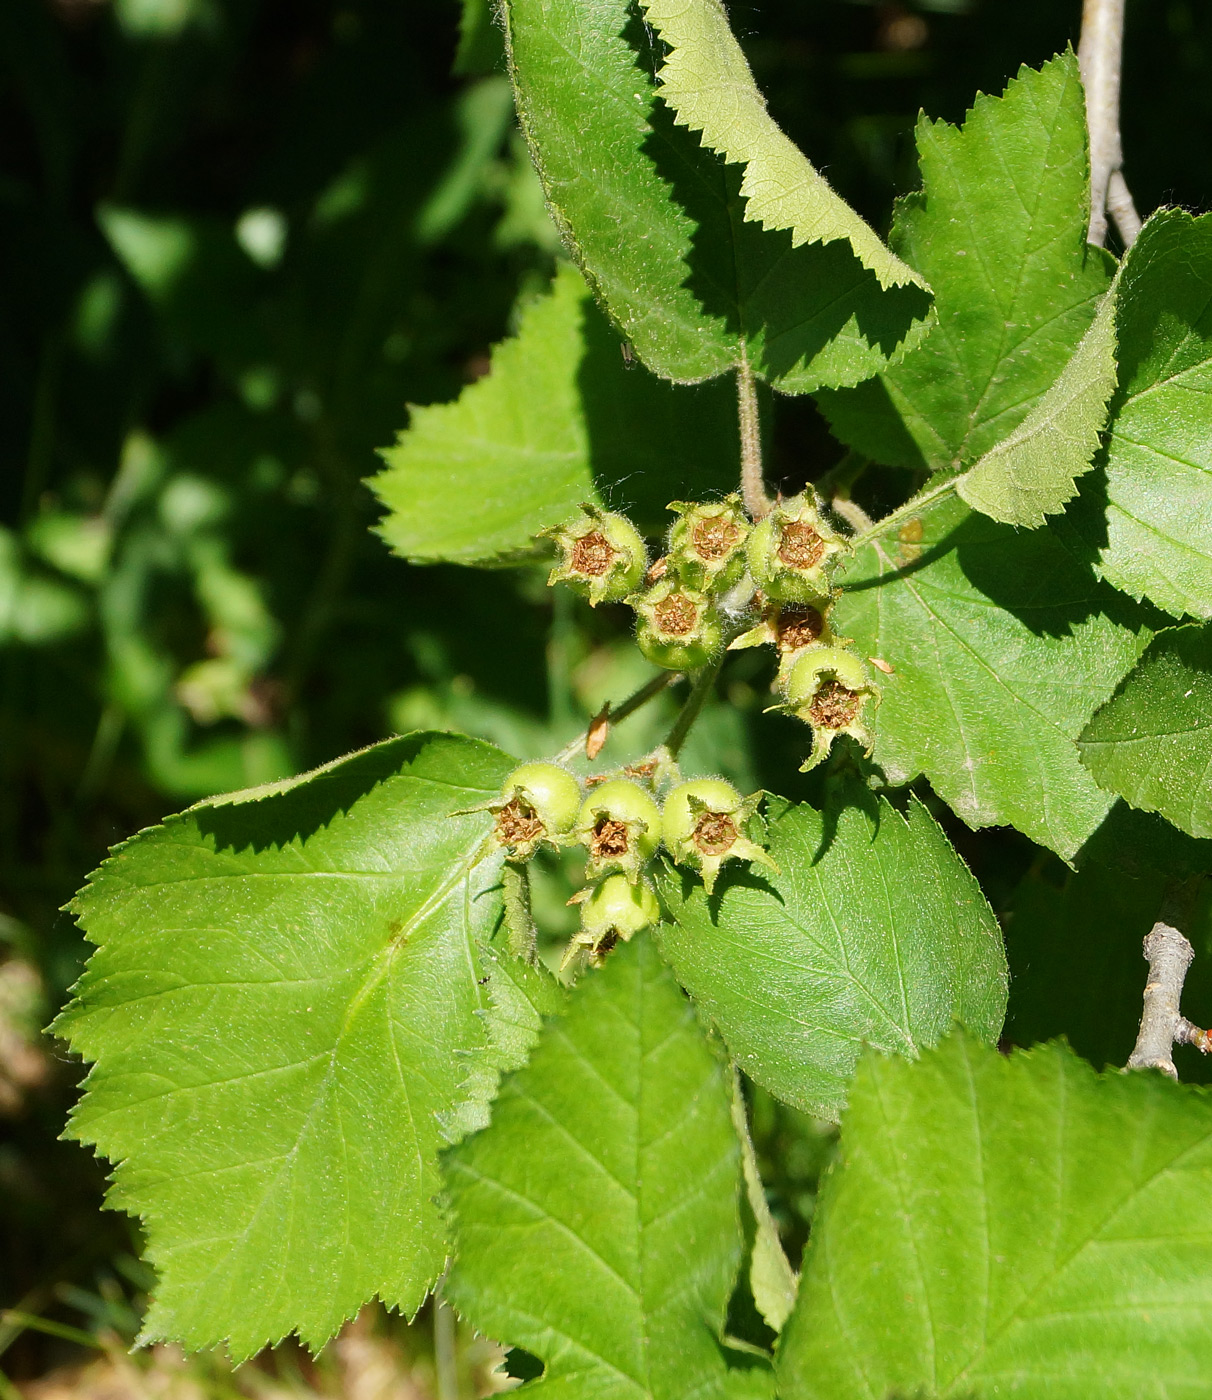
{"x":707,"y":542}
{"x":620,"y":826}
{"x":830,"y":690}
{"x":612,"y":912}
{"x":792,"y":552}
{"x":603,"y":555}
{"x":704,"y":824}
{"x":677,"y":627}
{"x":538,"y":802}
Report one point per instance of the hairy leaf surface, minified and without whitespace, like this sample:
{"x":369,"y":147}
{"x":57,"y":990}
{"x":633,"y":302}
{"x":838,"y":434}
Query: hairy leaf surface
{"x":999,"y":231}
{"x":559,"y":419}
{"x":1158,"y":540}
{"x":1040,"y":1231}
{"x":283,"y":997}
{"x":596,"y":1218}
{"x":1034,"y":471}
{"x":872,"y":933}
{"x":1152,"y":741}
{"x":706,"y":79}
{"x":658,"y":223}
{"x":1002,"y":645}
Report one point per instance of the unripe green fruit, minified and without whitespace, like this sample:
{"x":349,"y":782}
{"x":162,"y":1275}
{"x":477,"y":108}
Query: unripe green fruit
{"x":538,"y":802}
{"x":620,"y":826}
{"x":604,"y":555}
{"x":829,"y":689}
{"x":677,"y":627}
{"x":792,"y":552}
{"x":707,"y":543}
{"x":704,"y":825}
{"x":614,"y":912}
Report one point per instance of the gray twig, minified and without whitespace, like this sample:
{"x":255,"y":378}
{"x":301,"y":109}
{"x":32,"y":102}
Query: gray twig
{"x":1162,"y":1025}
{"x":1100,"y":57}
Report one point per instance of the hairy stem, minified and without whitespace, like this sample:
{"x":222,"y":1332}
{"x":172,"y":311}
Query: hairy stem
{"x":1100,"y":57}
{"x":753,"y":481}
{"x":907,"y":511}
{"x":649,"y":691}
{"x":701,"y":688}
{"x":1161,"y":1024}
{"x":523,"y":937}
{"x":445,"y":1351}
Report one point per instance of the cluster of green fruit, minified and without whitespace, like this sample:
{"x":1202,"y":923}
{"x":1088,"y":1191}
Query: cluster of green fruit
{"x":725,"y":582}
{"x":701,"y":824}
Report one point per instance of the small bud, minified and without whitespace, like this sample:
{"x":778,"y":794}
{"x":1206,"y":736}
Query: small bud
{"x":678,"y":627}
{"x":792,"y":552}
{"x":707,"y":543}
{"x":604,"y":556}
{"x":829,"y":689}
{"x":613,"y":912}
{"x":620,"y":826}
{"x":538,"y":802}
{"x":704,"y":825}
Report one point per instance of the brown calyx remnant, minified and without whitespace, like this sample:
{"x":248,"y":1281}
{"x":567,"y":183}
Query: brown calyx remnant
{"x":800,"y":547}
{"x":676,"y":615}
{"x":592,"y":555}
{"x":657,"y":571}
{"x":799,"y":627}
{"x":610,"y":839}
{"x":518,"y":823}
{"x":715,"y":537}
{"x":834,"y":706}
{"x":715,"y":833}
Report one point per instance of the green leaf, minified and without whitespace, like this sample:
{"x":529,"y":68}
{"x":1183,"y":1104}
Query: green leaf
{"x":999,"y":231}
{"x":1009,"y":1226}
{"x":520,"y":995}
{"x":1158,"y":541}
{"x":707,"y":81}
{"x":658,"y":223}
{"x":1034,"y":471}
{"x":1152,"y":741}
{"x":559,"y":419}
{"x":772,"y":1280}
{"x":283,"y":997}
{"x":1002,"y":646}
{"x":595,"y":1219}
{"x":873,"y":933}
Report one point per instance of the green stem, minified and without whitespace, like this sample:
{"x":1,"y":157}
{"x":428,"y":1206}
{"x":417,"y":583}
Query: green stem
{"x":703,"y":684}
{"x":445,"y":1353}
{"x":649,"y":691}
{"x":519,"y":920}
{"x":907,"y":511}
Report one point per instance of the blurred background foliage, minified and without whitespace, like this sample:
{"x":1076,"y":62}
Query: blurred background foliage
{"x":239,"y":238}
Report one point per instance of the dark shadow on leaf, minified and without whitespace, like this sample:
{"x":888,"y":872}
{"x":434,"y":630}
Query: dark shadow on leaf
{"x":738,"y":876}
{"x":790,"y":304}
{"x":652,"y":442}
{"x":275,"y":820}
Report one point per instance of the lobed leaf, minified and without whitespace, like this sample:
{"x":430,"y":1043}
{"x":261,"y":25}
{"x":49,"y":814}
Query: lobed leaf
{"x":658,"y":224}
{"x":999,"y":231}
{"x":707,"y":81}
{"x":559,"y":419}
{"x":283,"y":997}
{"x":1034,"y":471}
{"x":1152,"y":741}
{"x":1009,"y":1226}
{"x":1002,"y":645}
{"x":873,"y":932}
{"x":596,"y":1218}
{"x":1157,"y":536}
